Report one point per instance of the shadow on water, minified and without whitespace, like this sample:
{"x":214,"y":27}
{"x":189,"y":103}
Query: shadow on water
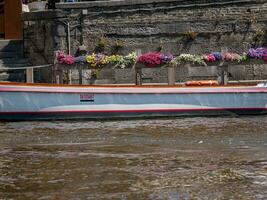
{"x":182,"y":158}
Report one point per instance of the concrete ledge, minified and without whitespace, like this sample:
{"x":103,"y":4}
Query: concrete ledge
{"x":114,"y":3}
{"x":43,"y":15}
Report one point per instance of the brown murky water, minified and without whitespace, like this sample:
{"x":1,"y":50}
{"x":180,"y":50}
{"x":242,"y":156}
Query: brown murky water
{"x":182,"y":158}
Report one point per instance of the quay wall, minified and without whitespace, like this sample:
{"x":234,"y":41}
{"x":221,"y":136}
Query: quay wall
{"x":174,"y":26}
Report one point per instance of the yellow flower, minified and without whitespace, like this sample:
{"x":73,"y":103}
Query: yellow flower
{"x":114,"y":58}
{"x":91,"y":60}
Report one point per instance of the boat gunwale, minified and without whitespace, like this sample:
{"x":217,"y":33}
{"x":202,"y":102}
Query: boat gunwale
{"x":107,"y":89}
{"x":121,"y":85}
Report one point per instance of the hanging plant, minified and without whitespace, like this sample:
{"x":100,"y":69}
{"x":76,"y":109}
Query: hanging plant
{"x":191,"y":35}
{"x":101,"y":44}
{"x":258,"y":35}
{"x":160,"y":47}
{"x":118,"y":46}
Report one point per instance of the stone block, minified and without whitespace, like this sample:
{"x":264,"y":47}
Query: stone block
{"x":237,"y":72}
{"x":104,"y":81}
{"x":106,"y":73}
{"x":202,"y":71}
{"x":260,"y":71}
{"x":124,"y":75}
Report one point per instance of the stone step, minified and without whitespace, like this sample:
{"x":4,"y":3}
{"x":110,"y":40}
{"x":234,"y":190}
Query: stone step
{"x":14,"y":55}
{"x":11,"y":49}
{"x":11,"y":56}
{"x":11,"y":45}
{"x":19,"y":76}
{"x":13,"y":61}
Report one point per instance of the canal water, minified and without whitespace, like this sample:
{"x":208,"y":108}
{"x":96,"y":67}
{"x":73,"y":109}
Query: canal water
{"x":181,"y":158}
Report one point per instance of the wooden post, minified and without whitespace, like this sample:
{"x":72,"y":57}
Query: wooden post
{"x":80,"y":70}
{"x":138,"y":75}
{"x":59,"y":74}
{"x":223,"y":73}
{"x":55,"y":77}
{"x":222,"y":76}
{"x":225,"y":77}
{"x":138,"y":69}
{"x":171,"y":75}
{"x":69,"y":76}
{"x":29,"y":75}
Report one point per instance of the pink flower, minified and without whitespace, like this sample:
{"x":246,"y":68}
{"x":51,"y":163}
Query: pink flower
{"x":228,"y":57}
{"x":231,"y":57}
{"x":210,"y":58}
{"x":151,"y":59}
{"x":60,"y":56}
{"x":236,"y":56}
{"x":63,"y":58}
{"x":69,"y":59}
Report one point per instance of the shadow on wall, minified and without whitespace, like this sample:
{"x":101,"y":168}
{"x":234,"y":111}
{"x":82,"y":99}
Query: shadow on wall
{"x":52,"y":4}
{"x":11,"y":56}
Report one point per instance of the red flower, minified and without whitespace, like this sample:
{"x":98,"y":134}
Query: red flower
{"x":151,"y":59}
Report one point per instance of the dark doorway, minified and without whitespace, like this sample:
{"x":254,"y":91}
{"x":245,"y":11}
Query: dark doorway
{"x":10,"y":19}
{"x":2,"y":19}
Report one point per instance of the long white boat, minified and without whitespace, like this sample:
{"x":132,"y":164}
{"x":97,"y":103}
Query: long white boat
{"x":52,"y":102}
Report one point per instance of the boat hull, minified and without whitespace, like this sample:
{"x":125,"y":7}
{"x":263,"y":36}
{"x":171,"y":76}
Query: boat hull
{"x":54,"y":103}
{"x":128,"y":115}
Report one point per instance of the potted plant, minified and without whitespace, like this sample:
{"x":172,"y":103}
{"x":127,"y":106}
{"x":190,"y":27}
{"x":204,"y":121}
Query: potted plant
{"x":37,"y":5}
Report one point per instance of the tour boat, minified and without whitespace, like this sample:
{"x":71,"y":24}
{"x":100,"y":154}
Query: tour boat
{"x":57,"y":102}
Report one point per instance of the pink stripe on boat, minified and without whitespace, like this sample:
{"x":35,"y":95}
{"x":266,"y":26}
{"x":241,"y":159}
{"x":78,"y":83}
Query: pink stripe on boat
{"x":132,"y":90}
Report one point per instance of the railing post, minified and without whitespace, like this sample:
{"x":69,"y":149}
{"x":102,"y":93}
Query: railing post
{"x":171,"y":75}
{"x":70,"y":76}
{"x":58,"y":74}
{"x":29,"y":75}
{"x":223,"y":74}
{"x":55,"y":77}
{"x":80,"y":70}
{"x":138,"y":75}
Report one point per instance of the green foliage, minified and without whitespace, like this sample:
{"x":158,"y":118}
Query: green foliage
{"x":118,"y":46}
{"x":101,"y":44}
{"x":258,"y":35}
{"x":128,"y":60}
{"x":184,"y":58}
{"x":191,"y":35}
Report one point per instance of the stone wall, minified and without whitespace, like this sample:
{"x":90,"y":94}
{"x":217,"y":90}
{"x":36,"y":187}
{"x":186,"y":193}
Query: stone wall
{"x":176,"y":26}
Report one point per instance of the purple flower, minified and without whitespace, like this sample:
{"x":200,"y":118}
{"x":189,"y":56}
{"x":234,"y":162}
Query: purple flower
{"x":99,"y":58}
{"x":218,"y":56}
{"x":80,"y":59}
{"x":256,"y":53}
{"x":166,"y":58}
